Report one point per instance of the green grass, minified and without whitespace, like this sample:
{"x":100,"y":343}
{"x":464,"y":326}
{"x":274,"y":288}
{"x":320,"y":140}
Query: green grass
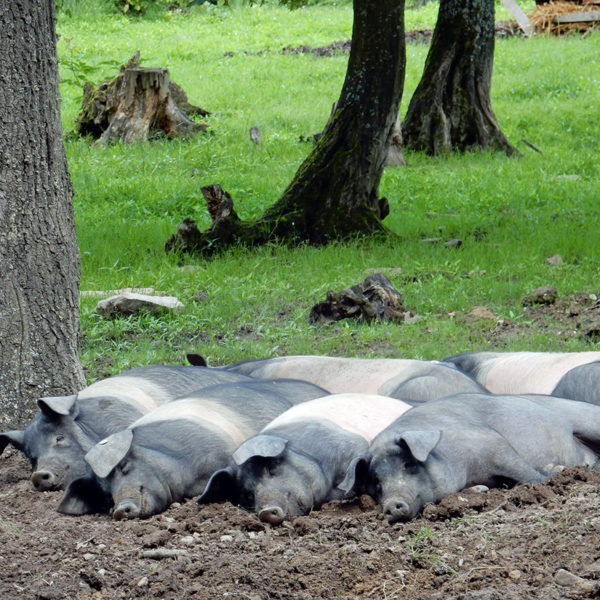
{"x":510,"y":213}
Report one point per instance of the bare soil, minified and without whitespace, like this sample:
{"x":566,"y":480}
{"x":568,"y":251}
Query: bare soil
{"x":539,"y":541}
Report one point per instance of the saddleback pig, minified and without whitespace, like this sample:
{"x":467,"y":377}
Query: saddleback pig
{"x":296,"y":462}
{"x":555,"y":373}
{"x":169,"y":454}
{"x":412,"y":381}
{"x":56,"y":440}
{"x":445,"y":445}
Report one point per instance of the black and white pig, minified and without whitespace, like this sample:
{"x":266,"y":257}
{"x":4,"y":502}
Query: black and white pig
{"x":446,"y":445}
{"x":56,"y":440}
{"x":170,"y":453}
{"x":297,"y":461}
{"x":412,"y":381}
{"x":530,"y":372}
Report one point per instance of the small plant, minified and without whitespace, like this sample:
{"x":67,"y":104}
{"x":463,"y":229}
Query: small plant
{"x":140,"y":7}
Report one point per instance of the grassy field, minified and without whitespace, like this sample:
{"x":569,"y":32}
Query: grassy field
{"x":511,"y":214}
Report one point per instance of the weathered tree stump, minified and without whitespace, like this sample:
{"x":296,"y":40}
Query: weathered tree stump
{"x":145,"y":105}
{"x":135,"y":105}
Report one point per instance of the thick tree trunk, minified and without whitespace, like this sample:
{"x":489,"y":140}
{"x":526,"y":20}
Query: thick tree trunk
{"x":334,"y":194}
{"x":39,"y":258}
{"x":451,"y":107}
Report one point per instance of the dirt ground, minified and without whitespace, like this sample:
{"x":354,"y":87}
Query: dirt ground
{"x":539,"y":541}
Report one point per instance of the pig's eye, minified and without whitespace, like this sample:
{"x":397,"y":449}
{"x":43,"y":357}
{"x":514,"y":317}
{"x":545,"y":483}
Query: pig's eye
{"x":60,"y":439}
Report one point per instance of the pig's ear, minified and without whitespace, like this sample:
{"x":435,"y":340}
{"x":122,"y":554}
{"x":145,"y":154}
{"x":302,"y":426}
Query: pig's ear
{"x":108,"y":453}
{"x":54,"y":407}
{"x":16,"y":438}
{"x":356,"y":476}
{"x":420,"y":443}
{"x":265,"y":446}
{"x":83,"y":496}
{"x":196,"y":359}
{"x":220,"y":487}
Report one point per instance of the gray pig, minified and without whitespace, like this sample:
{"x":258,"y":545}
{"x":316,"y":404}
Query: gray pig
{"x":169,"y":454}
{"x":296,"y":462}
{"x":56,"y":440}
{"x":580,"y":383}
{"x":521,"y":372}
{"x":412,"y":381}
{"x":446,"y":445}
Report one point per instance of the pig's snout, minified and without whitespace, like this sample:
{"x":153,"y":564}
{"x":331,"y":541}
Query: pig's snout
{"x":126,"y":510}
{"x":273,"y":515}
{"x":397,"y":509}
{"x":44,"y":480}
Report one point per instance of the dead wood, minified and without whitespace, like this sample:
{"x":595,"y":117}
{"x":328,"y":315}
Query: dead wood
{"x":374,"y":299}
{"x":137,"y":104}
{"x":226,"y":225}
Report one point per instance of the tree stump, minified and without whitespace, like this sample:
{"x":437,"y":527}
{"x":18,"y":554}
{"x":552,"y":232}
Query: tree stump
{"x":136,"y":104}
{"x":145,"y":105}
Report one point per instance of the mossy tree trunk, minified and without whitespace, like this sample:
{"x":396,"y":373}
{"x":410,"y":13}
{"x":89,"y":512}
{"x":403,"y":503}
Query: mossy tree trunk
{"x":39,"y":257}
{"x":334,"y":193}
{"x":451,"y":107}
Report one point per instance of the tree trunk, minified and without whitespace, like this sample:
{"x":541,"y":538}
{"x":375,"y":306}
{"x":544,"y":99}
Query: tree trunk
{"x":334,"y":194}
{"x":39,"y":257}
{"x":451,"y":107}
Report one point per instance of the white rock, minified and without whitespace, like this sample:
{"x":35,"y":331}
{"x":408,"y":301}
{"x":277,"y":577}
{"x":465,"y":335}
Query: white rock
{"x":188,"y":540}
{"x":479,"y":488}
{"x":567,"y":579}
{"x":129,"y":303}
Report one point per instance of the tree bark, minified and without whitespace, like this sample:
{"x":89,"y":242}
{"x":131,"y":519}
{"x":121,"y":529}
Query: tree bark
{"x":39,"y":257}
{"x":334,"y":194}
{"x":451,"y":107}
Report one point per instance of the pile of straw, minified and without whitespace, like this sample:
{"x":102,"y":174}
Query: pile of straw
{"x":541,"y":19}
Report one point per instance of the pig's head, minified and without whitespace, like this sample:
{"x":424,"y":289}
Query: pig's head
{"x":268,"y":477}
{"x":53,"y":442}
{"x":125,"y":475}
{"x":397,"y":473}
{"x":139,"y":471}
